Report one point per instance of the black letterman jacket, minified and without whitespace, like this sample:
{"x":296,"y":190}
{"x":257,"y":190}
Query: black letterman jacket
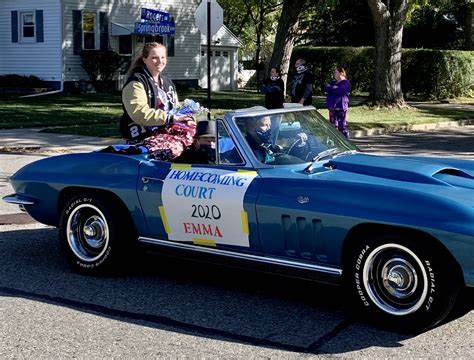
{"x":142,"y":109}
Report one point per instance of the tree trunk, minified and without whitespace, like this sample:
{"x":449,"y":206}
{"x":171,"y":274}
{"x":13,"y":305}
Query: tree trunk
{"x":388,"y":22}
{"x":470,"y":26}
{"x":285,"y":36}
{"x":259,"y":32}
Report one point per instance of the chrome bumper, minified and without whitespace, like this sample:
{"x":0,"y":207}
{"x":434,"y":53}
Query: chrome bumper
{"x":18,"y":199}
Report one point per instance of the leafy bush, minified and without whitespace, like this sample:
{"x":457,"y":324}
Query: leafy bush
{"x":101,"y":66}
{"x":427,"y":74}
{"x":437,"y":74}
{"x":20,"y":81}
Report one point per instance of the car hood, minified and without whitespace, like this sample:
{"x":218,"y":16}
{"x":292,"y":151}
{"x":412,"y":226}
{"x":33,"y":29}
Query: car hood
{"x":409,"y":169}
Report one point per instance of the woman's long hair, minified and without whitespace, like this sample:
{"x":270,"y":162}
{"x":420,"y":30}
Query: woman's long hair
{"x":138,"y":62}
{"x":341,"y":71}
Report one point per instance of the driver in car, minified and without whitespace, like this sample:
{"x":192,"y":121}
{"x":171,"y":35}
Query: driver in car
{"x":259,"y":138}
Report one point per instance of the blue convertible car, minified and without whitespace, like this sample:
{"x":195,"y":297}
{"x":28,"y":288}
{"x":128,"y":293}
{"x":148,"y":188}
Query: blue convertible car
{"x":396,"y":231}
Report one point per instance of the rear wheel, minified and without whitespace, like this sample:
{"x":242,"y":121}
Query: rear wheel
{"x":94,"y":232}
{"x":397,"y":284}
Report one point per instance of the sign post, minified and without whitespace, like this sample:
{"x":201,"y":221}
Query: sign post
{"x":209,"y":18}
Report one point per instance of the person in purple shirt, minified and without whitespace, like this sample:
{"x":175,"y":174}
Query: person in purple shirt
{"x":337,"y":100}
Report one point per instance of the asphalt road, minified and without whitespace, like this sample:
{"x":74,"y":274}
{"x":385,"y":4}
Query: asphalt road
{"x":164,"y":307}
{"x":453,"y":142}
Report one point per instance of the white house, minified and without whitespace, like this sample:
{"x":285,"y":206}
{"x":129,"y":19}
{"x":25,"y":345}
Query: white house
{"x":45,"y":38}
{"x":224,"y":64}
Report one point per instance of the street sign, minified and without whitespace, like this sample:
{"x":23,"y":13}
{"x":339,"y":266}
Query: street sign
{"x":217,"y":16}
{"x":162,"y":28}
{"x":154,"y":15}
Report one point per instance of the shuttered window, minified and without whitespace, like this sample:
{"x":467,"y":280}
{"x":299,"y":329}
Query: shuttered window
{"x":27,"y":26}
{"x":125,"y":44}
{"x":166,"y":40}
{"x":88,"y":30}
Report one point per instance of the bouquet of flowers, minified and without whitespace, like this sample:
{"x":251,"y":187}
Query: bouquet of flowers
{"x":189,"y":107}
{"x":169,"y":142}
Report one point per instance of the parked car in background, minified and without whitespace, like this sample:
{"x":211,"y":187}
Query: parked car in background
{"x":395,"y":231}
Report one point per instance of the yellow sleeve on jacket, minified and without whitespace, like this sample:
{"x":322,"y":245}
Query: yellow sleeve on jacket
{"x":135,"y":100}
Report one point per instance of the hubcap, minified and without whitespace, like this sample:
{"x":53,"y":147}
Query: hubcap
{"x":399,"y":278}
{"x":395,"y":279}
{"x":87,"y":232}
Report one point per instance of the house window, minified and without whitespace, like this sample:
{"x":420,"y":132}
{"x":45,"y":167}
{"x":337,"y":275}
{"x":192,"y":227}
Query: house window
{"x":225,"y":54}
{"x":27,"y":25}
{"x":170,"y":45}
{"x":166,"y":40}
{"x":125,"y":44}
{"x":218,"y":53}
{"x":88,"y":30}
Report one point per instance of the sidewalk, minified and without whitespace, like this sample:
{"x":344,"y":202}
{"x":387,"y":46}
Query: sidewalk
{"x":31,"y":140}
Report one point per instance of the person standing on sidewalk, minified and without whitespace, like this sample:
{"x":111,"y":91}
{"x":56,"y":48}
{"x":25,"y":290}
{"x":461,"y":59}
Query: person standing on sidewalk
{"x":301,"y":90}
{"x":337,"y":100}
{"x":273,"y":88}
{"x":148,"y":96}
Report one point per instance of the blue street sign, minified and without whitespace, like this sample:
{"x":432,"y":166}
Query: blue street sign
{"x":154,"y":15}
{"x":148,"y":27}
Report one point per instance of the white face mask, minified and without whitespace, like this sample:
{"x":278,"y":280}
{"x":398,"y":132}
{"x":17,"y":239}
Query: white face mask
{"x":300,"y":68}
{"x":273,"y":78}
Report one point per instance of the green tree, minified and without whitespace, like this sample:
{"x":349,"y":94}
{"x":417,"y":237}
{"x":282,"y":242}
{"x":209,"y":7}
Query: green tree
{"x":258,"y":11}
{"x":337,"y":23}
{"x":286,"y":34}
{"x":438,"y":24}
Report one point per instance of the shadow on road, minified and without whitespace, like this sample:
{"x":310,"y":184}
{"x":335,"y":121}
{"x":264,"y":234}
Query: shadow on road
{"x":191,"y":298}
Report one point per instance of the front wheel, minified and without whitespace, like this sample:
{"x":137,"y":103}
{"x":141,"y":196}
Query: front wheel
{"x":94,"y":232}
{"x":400,"y":284}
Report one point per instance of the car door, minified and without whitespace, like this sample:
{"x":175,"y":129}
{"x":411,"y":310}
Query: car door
{"x":287,"y":224}
{"x":209,"y":205}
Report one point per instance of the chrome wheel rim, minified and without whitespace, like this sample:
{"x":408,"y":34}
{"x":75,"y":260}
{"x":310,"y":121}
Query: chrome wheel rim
{"x":395,"y":279}
{"x":87,"y":233}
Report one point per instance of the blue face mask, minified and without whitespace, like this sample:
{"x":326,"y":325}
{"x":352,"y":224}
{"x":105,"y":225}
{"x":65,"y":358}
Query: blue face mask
{"x":264,"y":136}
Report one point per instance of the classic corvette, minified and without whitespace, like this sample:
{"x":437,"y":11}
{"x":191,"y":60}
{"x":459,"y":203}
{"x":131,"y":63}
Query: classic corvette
{"x":397,"y":232}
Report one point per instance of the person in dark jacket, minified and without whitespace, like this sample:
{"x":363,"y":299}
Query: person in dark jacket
{"x":148,"y":96}
{"x":337,"y":100}
{"x":273,"y":88}
{"x":258,"y":136}
{"x":203,"y":149}
{"x":301,"y":89}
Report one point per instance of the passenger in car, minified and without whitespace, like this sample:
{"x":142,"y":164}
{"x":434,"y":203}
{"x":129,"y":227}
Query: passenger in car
{"x":203,"y":148}
{"x":149,"y":96}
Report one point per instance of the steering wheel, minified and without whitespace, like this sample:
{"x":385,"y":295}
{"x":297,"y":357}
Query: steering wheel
{"x":300,"y":151}
{"x":290,"y":148}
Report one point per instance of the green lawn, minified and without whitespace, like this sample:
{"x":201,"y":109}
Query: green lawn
{"x":99,"y":114}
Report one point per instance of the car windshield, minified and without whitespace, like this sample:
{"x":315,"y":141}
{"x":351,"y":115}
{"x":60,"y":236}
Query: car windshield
{"x":291,"y":137}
